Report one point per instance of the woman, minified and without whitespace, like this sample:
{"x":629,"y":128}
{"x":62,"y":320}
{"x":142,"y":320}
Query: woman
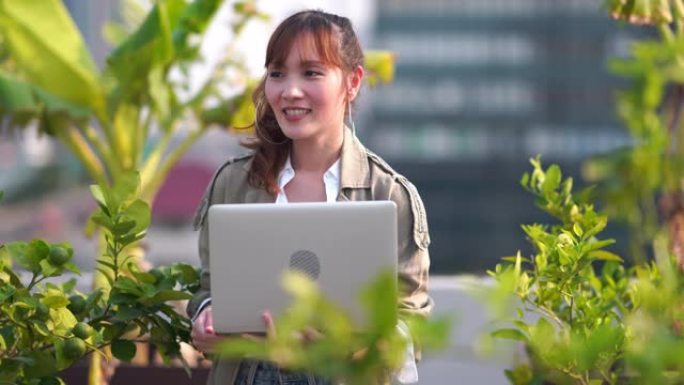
{"x":304,"y":152}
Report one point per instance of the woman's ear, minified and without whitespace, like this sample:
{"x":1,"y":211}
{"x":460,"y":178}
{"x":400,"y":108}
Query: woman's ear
{"x":354,"y":81}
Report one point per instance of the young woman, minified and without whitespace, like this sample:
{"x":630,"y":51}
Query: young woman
{"x":303,"y":151}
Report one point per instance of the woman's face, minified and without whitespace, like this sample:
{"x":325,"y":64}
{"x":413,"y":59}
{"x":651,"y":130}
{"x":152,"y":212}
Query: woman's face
{"x":306,"y":95}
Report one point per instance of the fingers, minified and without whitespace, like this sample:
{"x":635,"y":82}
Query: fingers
{"x":203,"y":336}
{"x":209,"y":321}
{"x":310,"y":335}
{"x":270,"y":325}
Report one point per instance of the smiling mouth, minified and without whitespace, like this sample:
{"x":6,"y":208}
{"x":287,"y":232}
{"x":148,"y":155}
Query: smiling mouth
{"x":296,"y":111}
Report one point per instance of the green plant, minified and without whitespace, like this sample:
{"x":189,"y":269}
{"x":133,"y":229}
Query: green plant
{"x":46,"y":327}
{"x":641,"y":184}
{"x":344,"y":351}
{"x":580,"y":331}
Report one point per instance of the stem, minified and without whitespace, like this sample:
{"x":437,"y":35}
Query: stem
{"x":150,"y":190}
{"x":80,"y":147}
{"x":665,"y":32}
{"x":548,"y":313}
{"x":142,"y":135}
{"x":33,"y":282}
{"x":149,"y":169}
{"x":678,"y":7}
{"x":105,"y":152}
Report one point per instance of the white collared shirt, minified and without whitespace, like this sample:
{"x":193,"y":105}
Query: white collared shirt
{"x":331,"y":180}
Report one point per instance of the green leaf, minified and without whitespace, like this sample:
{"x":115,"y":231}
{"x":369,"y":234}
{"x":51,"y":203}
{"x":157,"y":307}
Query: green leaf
{"x":48,"y":270}
{"x":55,"y":300}
{"x":18,"y":251}
{"x":604,"y":255}
{"x":170,"y":295}
{"x":70,"y":266}
{"x":139,"y":211}
{"x":380,"y":299}
{"x":123,"y":350}
{"x":65,"y":68}
{"x":113,"y":331}
{"x":123,"y":227}
{"x":6,"y":291}
{"x":552,"y":179}
{"x":41,"y":328}
{"x":189,"y":274}
{"x":577,"y":229}
{"x":106,"y":274}
{"x":127,"y":285}
{"x":97,"y":193}
{"x":510,"y":334}
{"x":103,"y":221}
{"x":145,"y":277}
{"x":599,"y":244}
{"x":127,"y":314}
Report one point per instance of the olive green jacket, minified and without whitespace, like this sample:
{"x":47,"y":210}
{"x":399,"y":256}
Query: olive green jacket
{"x":363,"y":176}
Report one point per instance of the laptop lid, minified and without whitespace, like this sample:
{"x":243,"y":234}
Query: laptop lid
{"x":343,"y":246}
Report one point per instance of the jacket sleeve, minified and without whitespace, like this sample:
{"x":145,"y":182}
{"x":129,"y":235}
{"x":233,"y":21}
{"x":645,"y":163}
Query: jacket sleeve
{"x":414,"y":258}
{"x":213,"y":194}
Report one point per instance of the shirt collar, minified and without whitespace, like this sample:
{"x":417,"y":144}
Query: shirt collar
{"x":288,"y":172}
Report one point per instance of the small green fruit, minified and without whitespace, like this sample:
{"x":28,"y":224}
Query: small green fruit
{"x":58,"y":255}
{"x":74,"y":348}
{"x":82,"y":330}
{"x":77,"y":304}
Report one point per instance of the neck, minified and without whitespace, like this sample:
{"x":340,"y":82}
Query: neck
{"x":316,"y":154}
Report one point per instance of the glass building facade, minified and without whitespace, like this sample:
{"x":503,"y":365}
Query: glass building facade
{"x":481,"y":86}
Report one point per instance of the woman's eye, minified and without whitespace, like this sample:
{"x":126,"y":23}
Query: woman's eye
{"x":275,"y":74}
{"x":310,"y":73}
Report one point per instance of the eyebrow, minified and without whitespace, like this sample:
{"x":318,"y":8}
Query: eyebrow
{"x":305,"y":63}
{"x":312,"y":63}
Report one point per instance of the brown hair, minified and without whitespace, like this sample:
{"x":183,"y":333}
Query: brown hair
{"x":334,"y":39}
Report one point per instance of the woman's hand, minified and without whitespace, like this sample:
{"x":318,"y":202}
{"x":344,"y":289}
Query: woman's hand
{"x":306,"y":335}
{"x":204,"y":338}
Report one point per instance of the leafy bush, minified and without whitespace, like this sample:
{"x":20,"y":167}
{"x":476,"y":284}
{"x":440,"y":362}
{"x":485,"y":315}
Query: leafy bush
{"x":48,"y":326}
{"x":347,"y":352}
{"x":580,"y":332}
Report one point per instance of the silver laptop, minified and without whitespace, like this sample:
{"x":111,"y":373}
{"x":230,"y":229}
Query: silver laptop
{"x":343,"y":246}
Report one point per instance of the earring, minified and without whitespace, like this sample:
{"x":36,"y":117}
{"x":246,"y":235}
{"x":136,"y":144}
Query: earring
{"x":351,"y":120}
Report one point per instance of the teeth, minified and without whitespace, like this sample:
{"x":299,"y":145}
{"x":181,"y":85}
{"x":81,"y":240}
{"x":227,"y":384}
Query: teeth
{"x":295,"y":111}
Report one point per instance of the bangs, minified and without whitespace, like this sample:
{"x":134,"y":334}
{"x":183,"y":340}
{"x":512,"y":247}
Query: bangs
{"x":314,"y":33}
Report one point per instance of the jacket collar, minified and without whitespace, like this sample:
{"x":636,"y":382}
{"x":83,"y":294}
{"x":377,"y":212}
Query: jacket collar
{"x":354,"y":168}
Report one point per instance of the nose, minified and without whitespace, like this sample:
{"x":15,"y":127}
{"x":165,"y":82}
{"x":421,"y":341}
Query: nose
{"x":292,"y":90}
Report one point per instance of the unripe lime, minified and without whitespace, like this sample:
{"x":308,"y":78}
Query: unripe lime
{"x":82,"y":330}
{"x":74,"y":348}
{"x":58,"y":255}
{"x":77,"y":304}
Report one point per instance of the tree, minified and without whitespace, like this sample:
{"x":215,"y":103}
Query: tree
{"x":642,"y":184}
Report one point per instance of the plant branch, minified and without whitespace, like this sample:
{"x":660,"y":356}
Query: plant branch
{"x":678,"y":6}
{"x":73,"y":139}
{"x":665,"y":32}
{"x":155,"y":182}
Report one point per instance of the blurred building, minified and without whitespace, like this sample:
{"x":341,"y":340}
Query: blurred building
{"x":481,"y":86}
